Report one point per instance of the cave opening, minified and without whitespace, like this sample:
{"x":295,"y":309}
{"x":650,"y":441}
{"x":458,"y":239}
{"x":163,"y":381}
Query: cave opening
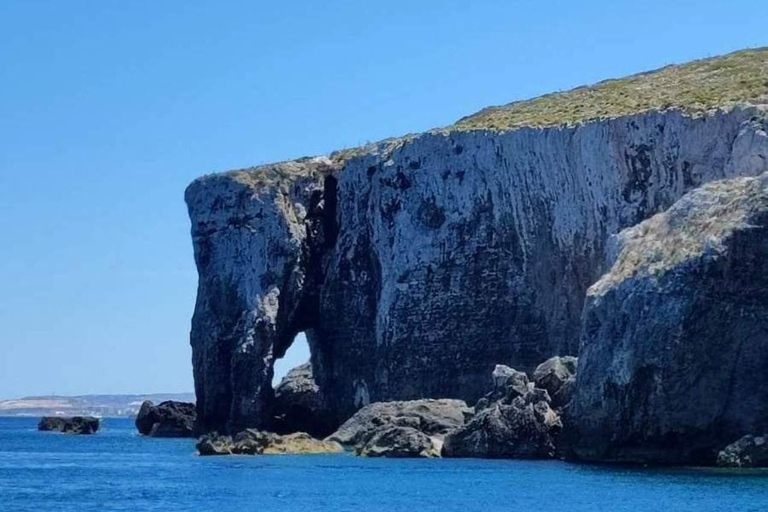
{"x":298,"y":405}
{"x":295,"y":355}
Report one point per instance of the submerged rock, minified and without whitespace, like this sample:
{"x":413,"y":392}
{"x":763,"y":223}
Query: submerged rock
{"x":748,"y":452}
{"x":300,"y":406}
{"x":167,"y":419}
{"x":255,"y":442}
{"x":432,"y":419}
{"x":69,"y":425}
{"x":674,"y":341}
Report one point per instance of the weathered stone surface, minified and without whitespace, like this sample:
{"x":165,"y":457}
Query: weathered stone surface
{"x":416,"y":265}
{"x":748,"y":452}
{"x":69,"y":425}
{"x":255,"y":442}
{"x":400,"y":442}
{"x":433,"y":418}
{"x":514,"y":420}
{"x":675,"y":345}
{"x":558,"y":376}
{"x":300,"y":406}
{"x":167,"y":419}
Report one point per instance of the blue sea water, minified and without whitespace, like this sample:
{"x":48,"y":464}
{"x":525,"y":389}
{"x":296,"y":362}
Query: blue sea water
{"x":116,"y":470}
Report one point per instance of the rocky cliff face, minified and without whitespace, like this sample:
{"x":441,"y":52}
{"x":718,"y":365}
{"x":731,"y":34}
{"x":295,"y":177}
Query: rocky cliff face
{"x":417,"y":265}
{"x":675,"y":336}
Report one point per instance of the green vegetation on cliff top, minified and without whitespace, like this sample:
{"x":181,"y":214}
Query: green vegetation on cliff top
{"x":695,"y":87}
{"x":698,"y":86}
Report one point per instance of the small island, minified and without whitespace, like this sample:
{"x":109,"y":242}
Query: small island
{"x":84,"y":425}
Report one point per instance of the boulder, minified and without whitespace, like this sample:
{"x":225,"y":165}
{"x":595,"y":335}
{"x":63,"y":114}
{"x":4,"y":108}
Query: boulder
{"x":69,"y":425}
{"x":431,"y":417}
{"x":558,"y":376}
{"x":167,"y":419}
{"x":517,"y":426}
{"x":300,"y":406}
{"x":674,"y":341}
{"x":400,"y":442}
{"x":748,"y":452}
{"x":214,"y":444}
{"x":256,"y":442}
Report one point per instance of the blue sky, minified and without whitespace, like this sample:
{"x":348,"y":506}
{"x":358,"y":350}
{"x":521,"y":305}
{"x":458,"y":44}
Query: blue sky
{"x":108,"y":109}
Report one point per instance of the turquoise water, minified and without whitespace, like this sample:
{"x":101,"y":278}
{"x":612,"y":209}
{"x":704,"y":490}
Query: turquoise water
{"x":116,"y":470}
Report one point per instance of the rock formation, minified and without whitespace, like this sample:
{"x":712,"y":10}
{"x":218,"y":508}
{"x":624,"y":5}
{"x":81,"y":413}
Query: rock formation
{"x":254,"y":442}
{"x":400,"y":429}
{"x":558,"y":376}
{"x":514,"y":420}
{"x":300,"y":406}
{"x":167,"y":419}
{"x":748,"y":452}
{"x":675,"y":343}
{"x":69,"y":425}
{"x":417,"y":264}
{"x":400,"y":442}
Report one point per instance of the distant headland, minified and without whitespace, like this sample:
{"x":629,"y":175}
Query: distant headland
{"x":85,"y":405}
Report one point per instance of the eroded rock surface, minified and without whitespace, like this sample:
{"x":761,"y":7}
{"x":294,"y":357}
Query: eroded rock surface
{"x":433,"y":419}
{"x":255,"y":442}
{"x":514,"y":420}
{"x":674,"y":341}
{"x":558,"y":376}
{"x":748,"y":452}
{"x":167,"y":419}
{"x":400,"y":442}
{"x":69,"y":425}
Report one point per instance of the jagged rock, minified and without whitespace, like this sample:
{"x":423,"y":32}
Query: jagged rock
{"x":400,"y":442}
{"x":675,"y":346}
{"x":254,"y":442}
{"x":214,"y":444}
{"x":69,"y":425}
{"x":748,"y":452}
{"x":300,"y":406}
{"x":433,"y":418}
{"x":506,"y":383}
{"x":167,"y":419}
{"x":416,"y":264}
{"x":514,"y":420}
{"x":558,"y":376}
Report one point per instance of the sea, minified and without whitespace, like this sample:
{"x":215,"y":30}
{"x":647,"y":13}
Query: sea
{"x":117,"y":470}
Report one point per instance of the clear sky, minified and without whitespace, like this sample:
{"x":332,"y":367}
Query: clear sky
{"x":109,"y":108}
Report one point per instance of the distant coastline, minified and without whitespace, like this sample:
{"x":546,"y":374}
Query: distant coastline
{"x":105,"y":406}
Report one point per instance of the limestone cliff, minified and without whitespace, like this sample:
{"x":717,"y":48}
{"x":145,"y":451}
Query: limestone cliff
{"x":675,"y":338}
{"x":416,"y":265}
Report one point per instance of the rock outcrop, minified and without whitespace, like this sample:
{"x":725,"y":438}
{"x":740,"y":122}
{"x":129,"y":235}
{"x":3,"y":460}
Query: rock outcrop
{"x":69,"y":425}
{"x":558,"y":376}
{"x":402,"y":429}
{"x":415,"y":265}
{"x":167,"y":419}
{"x":674,"y":342}
{"x":300,"y":406}
{"x":254,"y":442}
{"x":514,"y":420}
{"x":400,"y":442}
{"x":748,"y":452}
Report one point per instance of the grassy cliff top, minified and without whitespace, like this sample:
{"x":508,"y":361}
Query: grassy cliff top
{"x":698,"y":86}
{"x":695,"y":87}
